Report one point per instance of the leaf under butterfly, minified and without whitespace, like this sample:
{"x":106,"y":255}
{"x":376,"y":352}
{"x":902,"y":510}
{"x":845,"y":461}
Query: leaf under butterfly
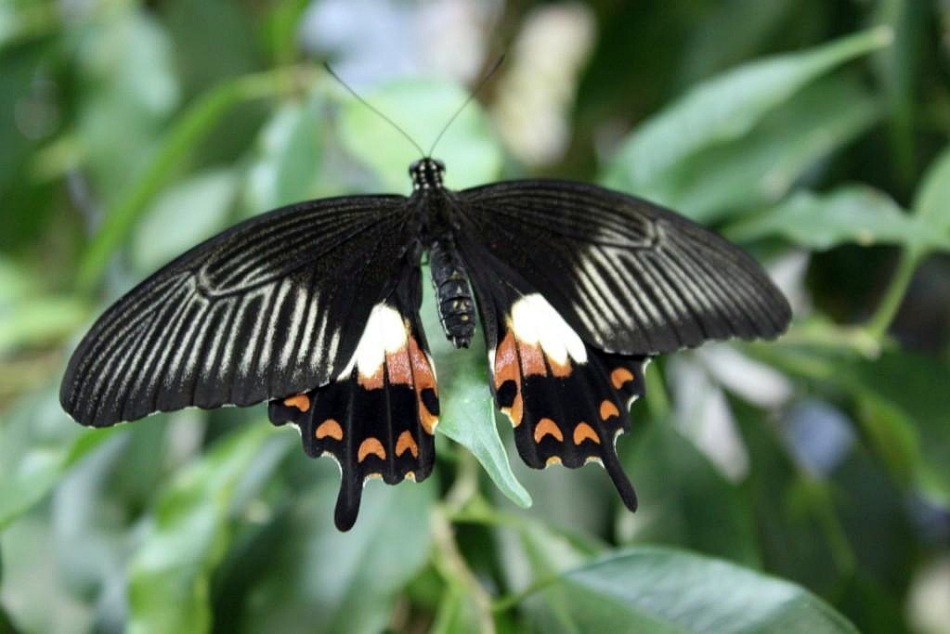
{"x":467,"y":408}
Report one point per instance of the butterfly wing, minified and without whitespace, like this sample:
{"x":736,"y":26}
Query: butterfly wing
{"x":271,"y":307}
{"x":566,"y":399}
{"x":577,"y":287}
{"x":378,"y":416}
{"x":628,"y":275}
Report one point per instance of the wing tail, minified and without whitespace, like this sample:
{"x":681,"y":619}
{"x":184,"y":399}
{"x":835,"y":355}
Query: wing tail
{"x":378,"y":417}
{"x":568,"y":402}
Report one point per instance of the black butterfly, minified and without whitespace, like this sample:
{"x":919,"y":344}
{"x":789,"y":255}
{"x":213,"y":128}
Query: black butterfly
{"x":315,"y":308}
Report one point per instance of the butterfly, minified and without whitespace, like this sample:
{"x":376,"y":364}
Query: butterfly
{"x":314,"y":308}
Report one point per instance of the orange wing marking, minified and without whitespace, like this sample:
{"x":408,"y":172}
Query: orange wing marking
{"x":406,"y":443}
{"x":300,"y":401}
{"x":423,"y":378}
{"x":547,"y":427}
{"x":583,"y":432}
{"x":330,"y":428}
{"x":532,"y":359}
{"x":507,"y":368}
{"x":608,"y":410}
{"x":368,"y":447}
{"x":620,"y":376}
{"x":399,"y":367}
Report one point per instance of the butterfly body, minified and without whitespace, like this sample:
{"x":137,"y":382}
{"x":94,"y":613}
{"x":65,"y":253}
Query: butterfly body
{"x":315,"y":309}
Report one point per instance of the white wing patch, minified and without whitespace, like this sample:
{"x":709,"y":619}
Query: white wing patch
{"x":535,"y":322}
{"x":385,"y":332}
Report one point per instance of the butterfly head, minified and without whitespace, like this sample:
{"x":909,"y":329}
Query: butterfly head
{"x":426,"y":174}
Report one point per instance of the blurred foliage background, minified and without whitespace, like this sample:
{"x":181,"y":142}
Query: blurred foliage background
{"x":801,"y":483}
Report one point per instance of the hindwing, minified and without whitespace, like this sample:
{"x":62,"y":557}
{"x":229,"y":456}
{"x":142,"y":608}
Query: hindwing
{"x":567,"y":400}
{"x":378,"y":415}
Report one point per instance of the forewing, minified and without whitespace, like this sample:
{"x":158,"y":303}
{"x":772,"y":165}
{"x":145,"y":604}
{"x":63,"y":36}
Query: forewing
{"x":378,"y":416}
{"x":629,"y":276}
{"x":271,"y":307}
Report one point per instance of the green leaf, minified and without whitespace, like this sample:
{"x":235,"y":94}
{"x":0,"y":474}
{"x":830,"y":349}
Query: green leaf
{"x":38,"y":444}
{"x":315,"y":578}
{"x":38,"y":320}
{"x":188,"y":130}
{"x":900,"y":395}
{"x":932,"y":203}
{"x":760,"y":168}
{"x":660,"y":590}
{"x":290,"y":152}
{"x":727,"y":107}
{"x":684,"y":500}
{"x":422,"y":108}
{"x":533,"y":552}
{"x":170,"y":575}
{"x":183,"y":216}
{"x":467,"y":410}
{"x":130,"y":91}
{"x":852,"y":214}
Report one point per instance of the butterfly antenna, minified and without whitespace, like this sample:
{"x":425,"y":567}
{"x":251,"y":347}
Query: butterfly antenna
{"x":373,"y":108}
{"x":481,"y":84}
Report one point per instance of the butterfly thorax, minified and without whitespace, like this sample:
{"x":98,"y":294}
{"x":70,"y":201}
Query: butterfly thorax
{"x":453,"y":291}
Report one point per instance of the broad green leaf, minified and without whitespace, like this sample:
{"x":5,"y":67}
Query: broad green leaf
{"x":901,"y":394}
{"x":38,"y":444}
{"x":467,"y":410}
{"x":932,"y":204}
{"x":684,"y":500}
{"x":16,"y":282}
{"x":421,"y":108}
{"x":182,"y":217}
{"x":315,"y":578}
{"x":727,"y":107}
{"x":533,"y":552}
{"x":661,"y":590}
{"x":188,"y":130}
{"x":760,"y":168}
{"x":290,"y":153}
{"x":131,"y":90}
{"x":38,"y":320}
{"x":852,"y":214}
{"x":170,"y":575}
{"x":708,"y":52}
{"x":36,"y":592}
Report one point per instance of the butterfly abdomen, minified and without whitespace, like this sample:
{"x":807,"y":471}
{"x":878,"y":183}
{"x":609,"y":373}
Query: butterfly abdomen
{"x":453,"y":293}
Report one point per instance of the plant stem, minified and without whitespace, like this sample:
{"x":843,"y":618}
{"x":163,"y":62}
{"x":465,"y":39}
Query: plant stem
{"x":891,"y":302}
{"x":451,"y":564}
